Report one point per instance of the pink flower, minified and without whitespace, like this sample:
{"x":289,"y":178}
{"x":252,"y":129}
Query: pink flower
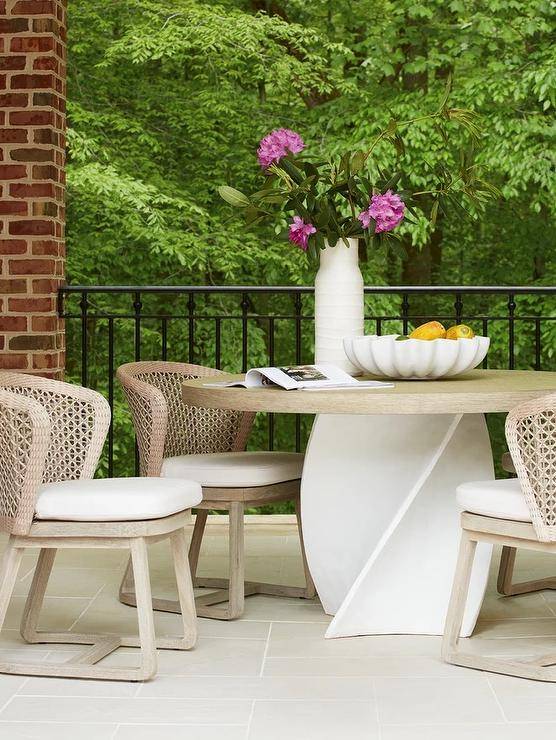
{"x":277,"y":144}
{"x":387,"y":210}
{"x":300,"y":232}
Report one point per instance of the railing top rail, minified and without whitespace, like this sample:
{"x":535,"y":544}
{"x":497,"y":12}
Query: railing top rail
{"x":408,"y":289}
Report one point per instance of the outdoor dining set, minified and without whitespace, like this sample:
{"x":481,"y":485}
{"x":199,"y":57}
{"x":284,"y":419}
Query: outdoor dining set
{"x":394,"y":456}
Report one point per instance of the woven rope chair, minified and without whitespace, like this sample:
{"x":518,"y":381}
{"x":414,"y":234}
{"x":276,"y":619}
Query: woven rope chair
{"x":51,"y":437}
{"x":526,"y":519}
{"x":505,"y":584}
{"x":167,"y":430}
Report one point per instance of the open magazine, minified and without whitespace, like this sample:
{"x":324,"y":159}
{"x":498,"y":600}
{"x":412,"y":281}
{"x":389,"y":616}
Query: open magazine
{"x":300,"y":377}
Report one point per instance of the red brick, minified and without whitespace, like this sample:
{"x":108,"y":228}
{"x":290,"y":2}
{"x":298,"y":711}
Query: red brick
{"x":13,"y":206}
{"x":46,"y":360}
{"x":11,"y":62}
{"x":12,"y":171}
{"x":46,"y":246}
{"x":31,"y":267}
{"x":46,"y":63}
{"x":13,"y":246}
{"x":35,"y":190}
{"x":12,"y":361}
{"x":30,"y":305}
{"x":14,"y":100}
{"x":46,"y":25}
{"x":45,"y":208}
{"x":13,"y":135}
{"x":44,"y":323}
{"x":13,"y":323}
{"x":32,"y":118}
{"x":44,"y":286}
{"x":13,"y":25}
{"x":13,"y":286}
{"x":32,"y":43}
{"x":32,"y":155}
{"x":31,"y":82}
{"x":46,"y":172}
{"x":38,"y":227}
{"x":46,"y":136}
{"x":33,"y":342}
{"x":34,"y":7}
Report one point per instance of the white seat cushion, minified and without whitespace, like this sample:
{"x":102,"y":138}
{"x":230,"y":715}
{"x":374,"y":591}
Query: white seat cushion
{"x":502,"y":499}
{"x":235,"y":469}
{"x":116,"y":499}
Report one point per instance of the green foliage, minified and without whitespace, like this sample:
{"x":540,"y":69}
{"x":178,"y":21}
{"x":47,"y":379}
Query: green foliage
{"x":169,"y":99}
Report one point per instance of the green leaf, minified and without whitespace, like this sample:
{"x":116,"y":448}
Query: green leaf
{"x":234,"y":197}
{"x":358,"y":161}
{"x":290,"y":169}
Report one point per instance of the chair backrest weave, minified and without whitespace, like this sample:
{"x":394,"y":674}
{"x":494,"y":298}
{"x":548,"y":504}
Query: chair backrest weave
{"x":24,"y":442}
{"x":79,"y":421}
{"x":165,"y":426}
{"x":531,"y":435}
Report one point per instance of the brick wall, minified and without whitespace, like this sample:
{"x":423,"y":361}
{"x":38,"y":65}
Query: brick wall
{"x":32,"y":125}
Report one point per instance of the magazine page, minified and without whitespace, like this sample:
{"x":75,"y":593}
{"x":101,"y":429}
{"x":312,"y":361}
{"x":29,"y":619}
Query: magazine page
{"x":299,"y":377}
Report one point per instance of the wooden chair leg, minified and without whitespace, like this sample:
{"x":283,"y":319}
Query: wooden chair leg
{"x":196,"y":541}
{"x":234,"y":588}
{"x":458,"y":598}
{"x":505,"y":576}
{"x":538,"y":669}
{"x":145,"y":616}
{"x":310,"y":590}
{"x":185,"y":588}
{"x":35,"y":598}
{"x":127,"y":586}
{"x":9,"y":567}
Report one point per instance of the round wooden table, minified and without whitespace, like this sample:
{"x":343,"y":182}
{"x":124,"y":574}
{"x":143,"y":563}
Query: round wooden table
{"x":380,"y":520}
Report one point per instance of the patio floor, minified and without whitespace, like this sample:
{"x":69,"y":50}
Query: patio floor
{"x":271,"y":675}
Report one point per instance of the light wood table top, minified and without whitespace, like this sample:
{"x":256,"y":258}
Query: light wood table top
{"x":475,"y":392}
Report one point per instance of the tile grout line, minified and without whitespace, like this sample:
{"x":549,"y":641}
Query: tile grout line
{"x":250,"y":720}
{"x":82,"y":614}
{"x":266,"y":647}
{"x":496,"y":699}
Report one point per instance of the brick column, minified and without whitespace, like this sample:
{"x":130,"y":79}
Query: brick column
{"x":32,"y":177}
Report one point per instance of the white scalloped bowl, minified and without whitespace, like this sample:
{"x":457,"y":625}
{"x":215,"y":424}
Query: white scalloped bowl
{"x":415,"y":359}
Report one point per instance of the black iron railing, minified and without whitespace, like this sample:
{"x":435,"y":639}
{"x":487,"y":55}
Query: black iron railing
{"x":235,"y":327}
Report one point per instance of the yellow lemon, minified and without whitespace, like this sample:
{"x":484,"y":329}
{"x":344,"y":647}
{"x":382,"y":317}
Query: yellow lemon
{"x":428,"y":331}
{"x":461,"y":331}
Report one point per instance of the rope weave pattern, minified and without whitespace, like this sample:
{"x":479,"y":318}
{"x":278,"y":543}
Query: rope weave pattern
{"x":50,"y":431}
{"x":165,"y":426}
{"x":531,"y":435}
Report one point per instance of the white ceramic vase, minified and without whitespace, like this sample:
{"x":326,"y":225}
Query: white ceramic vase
{"x":339,"y":303}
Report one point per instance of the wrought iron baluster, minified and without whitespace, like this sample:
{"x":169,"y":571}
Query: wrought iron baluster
{"x":244,"y":327}
{"x":84,"y":306}
{"x":511,"y":330}
{"x":111,"y":396}
{"x":191,"y":327}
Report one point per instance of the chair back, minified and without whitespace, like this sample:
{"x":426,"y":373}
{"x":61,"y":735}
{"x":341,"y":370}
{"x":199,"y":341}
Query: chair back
{"x":24,"y":441}
{"x":79,"y":421}
{"x":531,"y":435}
{"x":165,"y":426}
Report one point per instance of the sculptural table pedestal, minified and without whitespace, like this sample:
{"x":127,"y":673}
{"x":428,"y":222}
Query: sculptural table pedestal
{"x":380,"y":520}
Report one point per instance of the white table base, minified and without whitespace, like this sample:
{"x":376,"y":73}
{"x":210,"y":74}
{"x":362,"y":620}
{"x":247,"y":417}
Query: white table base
{"x":380,"y":520}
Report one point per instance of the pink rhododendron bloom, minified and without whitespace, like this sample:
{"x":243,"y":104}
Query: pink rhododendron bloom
{"x":387,"y":210}
{"x":277,"y":144}
{"x":300,"y":232}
